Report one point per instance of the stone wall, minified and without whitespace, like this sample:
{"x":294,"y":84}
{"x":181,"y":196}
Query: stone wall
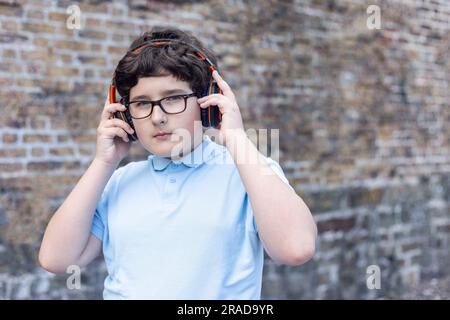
{"x":364,"y":121}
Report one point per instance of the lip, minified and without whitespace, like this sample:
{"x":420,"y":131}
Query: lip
{"x":162,"y":135}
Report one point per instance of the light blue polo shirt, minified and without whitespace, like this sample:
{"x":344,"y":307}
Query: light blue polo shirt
{"x":180,"y":229}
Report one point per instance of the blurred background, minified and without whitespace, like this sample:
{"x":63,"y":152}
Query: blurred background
{"x":358,"y":89}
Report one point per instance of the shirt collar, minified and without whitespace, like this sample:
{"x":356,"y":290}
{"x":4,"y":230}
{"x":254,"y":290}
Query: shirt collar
{"x":192,"y":159}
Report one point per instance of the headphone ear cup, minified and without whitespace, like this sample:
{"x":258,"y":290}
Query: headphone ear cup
{"x":211,"y":116}
{"x":204,"y":111}
{"x":125,"y":116}
{"x":133,"y":136}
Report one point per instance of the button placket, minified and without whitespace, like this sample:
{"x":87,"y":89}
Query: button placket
{"x":170,"y":188}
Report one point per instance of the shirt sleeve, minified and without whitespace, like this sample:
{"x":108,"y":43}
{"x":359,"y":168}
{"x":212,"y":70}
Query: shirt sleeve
{"x":274,"y":168}
{"x":98,"y":227}
{"x":99,"y":223}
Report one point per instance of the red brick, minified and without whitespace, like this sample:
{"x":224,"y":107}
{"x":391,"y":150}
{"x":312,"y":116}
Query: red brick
{"x":4,"y":153}
{"x":61,"y":151}
{"x":37,"y":152}
{"x":44,"y":165}
{"x":11,"y":167}
{"x":336,"y":224}
{"x":33,"y":138}
{"x":9,"y":138}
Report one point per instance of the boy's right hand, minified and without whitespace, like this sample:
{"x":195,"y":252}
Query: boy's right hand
{"x":113,"y":143}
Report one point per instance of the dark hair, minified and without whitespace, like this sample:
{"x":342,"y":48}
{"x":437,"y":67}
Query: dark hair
{"x":162,"y":60}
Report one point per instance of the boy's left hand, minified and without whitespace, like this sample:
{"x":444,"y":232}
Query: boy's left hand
{"x":231,"y":116}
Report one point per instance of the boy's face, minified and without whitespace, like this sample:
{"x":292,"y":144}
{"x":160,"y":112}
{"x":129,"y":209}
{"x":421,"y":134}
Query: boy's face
{"x":181,"y":124}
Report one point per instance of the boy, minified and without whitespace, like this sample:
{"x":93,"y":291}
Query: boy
{"x":191,"y":221}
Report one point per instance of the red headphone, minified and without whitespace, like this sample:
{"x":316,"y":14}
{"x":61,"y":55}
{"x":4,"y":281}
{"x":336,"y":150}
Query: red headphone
{"x":211,"y":116}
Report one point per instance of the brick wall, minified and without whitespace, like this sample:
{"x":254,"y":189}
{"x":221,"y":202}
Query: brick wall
{"x":363,"y":114}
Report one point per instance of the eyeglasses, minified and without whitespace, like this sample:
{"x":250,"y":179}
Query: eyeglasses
{"x":140,"y":109}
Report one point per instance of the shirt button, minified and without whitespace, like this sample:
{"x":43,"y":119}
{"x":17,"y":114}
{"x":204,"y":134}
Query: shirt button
{"x":173,"y":180}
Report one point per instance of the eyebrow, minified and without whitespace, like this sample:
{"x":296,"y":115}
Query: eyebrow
{"x":162,"y":93}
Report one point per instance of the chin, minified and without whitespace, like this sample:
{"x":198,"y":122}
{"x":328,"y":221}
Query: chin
{"x":161,"y":148}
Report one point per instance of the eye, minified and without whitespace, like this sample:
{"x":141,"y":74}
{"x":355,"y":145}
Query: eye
{"x":174,"y":98}
{"x":142,"y":103}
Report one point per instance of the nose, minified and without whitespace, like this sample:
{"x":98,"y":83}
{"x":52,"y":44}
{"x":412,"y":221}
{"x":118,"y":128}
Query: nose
{"x":158,"y":116}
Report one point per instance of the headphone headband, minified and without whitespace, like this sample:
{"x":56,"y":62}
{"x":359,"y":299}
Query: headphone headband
{"x":161,"y":41}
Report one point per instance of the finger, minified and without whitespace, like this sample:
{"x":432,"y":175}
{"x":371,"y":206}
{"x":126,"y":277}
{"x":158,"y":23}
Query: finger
{"x":214,"y":95}
{"x":109,"y":110}
{"x":226,"y":89}
{"x":115,"y":132}
{"x":210,"y":102}
{"x":118,"y":123}
{"x":113,"y":107}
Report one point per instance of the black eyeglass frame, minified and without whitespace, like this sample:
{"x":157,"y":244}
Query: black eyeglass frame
{"x":158,"y":103}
